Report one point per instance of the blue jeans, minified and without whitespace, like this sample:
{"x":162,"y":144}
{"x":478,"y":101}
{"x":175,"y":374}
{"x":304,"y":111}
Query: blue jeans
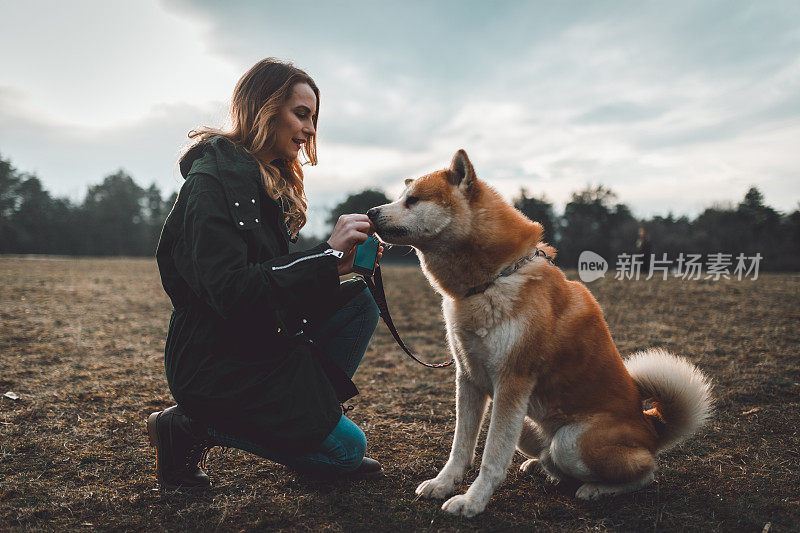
{"x":343,"y":338}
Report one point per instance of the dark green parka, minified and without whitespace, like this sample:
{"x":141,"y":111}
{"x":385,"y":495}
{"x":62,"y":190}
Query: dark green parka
{"x":234,"y":358}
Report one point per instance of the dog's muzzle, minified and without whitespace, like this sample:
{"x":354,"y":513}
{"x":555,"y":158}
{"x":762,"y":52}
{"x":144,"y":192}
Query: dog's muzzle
{"x":382,"y":228}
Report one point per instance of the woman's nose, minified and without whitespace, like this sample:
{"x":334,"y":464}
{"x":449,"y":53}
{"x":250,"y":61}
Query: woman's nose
{"x":309,"y":130}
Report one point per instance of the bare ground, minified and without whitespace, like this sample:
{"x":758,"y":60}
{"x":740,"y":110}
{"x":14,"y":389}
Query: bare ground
{"x":81,"y":344}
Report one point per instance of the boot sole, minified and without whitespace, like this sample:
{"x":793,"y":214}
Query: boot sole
{"x":152,"y":432}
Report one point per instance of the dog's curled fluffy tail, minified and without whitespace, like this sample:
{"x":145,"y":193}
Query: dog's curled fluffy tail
{"x":679,"y":393}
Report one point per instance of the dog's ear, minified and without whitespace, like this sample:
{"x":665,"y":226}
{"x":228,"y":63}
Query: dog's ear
{"x":461,"y":171}
{"x":409,"y":181}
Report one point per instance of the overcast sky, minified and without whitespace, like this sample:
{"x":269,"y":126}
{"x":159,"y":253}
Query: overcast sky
{"x":674,"y":105}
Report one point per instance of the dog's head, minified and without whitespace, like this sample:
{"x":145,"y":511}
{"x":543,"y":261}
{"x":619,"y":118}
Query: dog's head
{"x":437,"y":207}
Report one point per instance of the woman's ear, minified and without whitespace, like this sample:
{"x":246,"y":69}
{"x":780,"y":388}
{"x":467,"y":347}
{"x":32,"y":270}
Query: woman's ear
{"x":461,"y":171}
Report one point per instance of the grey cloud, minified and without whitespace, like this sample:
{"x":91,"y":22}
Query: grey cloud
{"x":619,"y":112}
{"x":442,"y":55}
{"x":689,"y":136}
{"x":739,"y":122}
{"x":394,"y":75}
{"x":68,"y":159}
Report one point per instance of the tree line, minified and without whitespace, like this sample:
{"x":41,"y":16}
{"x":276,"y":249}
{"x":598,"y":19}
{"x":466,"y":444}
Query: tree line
{"x":119,"y":217}
{"x":116,"y":217}
{"x":594,"y":220}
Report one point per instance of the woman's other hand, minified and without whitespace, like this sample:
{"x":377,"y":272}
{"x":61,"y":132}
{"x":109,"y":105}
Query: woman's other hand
{"x":349,"y":232}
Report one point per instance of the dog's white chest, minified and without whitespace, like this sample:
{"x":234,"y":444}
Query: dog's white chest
{"x":482,"y":336}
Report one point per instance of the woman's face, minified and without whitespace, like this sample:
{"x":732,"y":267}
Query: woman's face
{"x":295,"y":125}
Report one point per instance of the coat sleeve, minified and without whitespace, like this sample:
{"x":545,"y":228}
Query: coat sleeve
{"x":217,"y":269}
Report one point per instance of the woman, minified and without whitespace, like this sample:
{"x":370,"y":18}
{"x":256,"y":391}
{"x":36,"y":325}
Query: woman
{"x":262,"y":343}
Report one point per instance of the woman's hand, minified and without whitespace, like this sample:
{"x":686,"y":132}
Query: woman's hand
{"x":349,"y":232}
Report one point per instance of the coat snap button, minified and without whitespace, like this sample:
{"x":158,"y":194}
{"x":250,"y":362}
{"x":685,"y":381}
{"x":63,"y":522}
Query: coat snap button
{"x":241,"y":223}
{"x":235,"y":204}
{"x":253,"y":200}
{"x":279,"y":330}
{"x":305,"y":321}
{"x":256,"y":220}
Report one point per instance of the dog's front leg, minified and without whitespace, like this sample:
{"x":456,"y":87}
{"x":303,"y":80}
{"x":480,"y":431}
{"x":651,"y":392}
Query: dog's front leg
{"x":470,"y":407}
{"x":508,"y":414}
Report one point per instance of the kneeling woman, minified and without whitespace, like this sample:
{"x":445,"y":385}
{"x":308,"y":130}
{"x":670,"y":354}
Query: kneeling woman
{"x":262,"y":343}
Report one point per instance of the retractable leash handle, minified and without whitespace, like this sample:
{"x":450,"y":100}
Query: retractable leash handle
{"x":366,"y":256}
{"x":375,"y":284}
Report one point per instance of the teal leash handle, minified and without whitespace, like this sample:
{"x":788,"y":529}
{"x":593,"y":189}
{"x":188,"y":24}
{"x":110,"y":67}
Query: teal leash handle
{"x":375,"y":285}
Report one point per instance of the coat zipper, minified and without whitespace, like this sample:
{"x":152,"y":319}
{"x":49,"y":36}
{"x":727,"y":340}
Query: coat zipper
{"x":329,"y":251}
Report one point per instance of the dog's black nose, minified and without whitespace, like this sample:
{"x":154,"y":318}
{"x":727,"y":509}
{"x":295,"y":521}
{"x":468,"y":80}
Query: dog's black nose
{"x":373,"y":214}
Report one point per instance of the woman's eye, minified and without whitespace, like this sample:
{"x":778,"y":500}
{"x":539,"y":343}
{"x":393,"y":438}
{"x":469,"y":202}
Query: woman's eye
{"x":301,"y":116}
{"x":411,"y":200}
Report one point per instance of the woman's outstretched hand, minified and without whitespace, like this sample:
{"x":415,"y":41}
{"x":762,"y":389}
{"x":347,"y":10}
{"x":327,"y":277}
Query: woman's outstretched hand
{"x":349,"y":232}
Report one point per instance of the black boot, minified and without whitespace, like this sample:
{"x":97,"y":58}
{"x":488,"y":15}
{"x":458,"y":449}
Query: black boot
{"x":367,"y":469}
{"x":180,"y":444}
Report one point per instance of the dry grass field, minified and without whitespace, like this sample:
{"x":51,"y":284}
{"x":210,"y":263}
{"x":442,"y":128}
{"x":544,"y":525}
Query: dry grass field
{"x":81,"y":344}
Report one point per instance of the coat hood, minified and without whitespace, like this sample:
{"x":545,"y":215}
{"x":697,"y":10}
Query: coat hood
{"x":214,"y":153}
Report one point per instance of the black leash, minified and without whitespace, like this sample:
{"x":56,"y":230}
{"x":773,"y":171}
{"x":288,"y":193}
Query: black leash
{"x":375,"y":284}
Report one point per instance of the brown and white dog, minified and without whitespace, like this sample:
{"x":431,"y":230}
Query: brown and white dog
{"x":538,"y":346}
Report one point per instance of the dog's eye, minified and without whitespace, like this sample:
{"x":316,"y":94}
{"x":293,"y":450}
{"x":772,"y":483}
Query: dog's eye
{"x":411,"y":200}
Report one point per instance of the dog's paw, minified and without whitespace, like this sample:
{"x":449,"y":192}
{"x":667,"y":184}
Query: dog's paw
{"x":463,"y":505}
{"x":589,"y":491}
{"x":533,"y":467}
{"x":530,"y":466}
{"x":593,"y":491}
{"x":436,"y":488}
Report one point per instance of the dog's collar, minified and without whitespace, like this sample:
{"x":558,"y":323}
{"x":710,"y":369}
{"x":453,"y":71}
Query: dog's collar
{"x":507,"y":271}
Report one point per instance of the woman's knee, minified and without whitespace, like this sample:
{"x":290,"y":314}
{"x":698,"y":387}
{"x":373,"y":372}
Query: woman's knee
{"x":352,"y":445}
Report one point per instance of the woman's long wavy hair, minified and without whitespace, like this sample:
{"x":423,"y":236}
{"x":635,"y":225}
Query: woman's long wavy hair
{"x":255,"y":103}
